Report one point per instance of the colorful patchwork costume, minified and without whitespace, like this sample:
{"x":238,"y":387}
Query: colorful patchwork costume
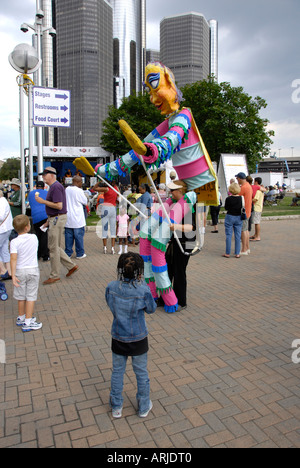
{"x":177,"y":138}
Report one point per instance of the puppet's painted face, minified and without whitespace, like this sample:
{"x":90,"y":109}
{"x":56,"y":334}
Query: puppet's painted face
{"x":163,"y":93}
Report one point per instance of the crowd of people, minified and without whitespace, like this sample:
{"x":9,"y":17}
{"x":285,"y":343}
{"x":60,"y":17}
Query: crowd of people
{"x":53,"y":223}
{"x":244,"y":206}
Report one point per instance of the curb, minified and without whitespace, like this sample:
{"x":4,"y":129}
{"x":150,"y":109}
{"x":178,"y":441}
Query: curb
{"x":221,"y":221}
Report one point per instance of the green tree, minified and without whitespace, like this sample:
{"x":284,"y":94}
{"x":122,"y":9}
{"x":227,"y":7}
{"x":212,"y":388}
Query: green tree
{"x":229,"y":120}
{"x":139,"y":113}
{"x":10,"y":169}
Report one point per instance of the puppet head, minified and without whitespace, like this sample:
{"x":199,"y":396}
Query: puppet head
{"x":164,"y":93}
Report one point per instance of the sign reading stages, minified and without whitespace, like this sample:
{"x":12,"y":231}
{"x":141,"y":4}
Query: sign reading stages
{"x":51,"y":107}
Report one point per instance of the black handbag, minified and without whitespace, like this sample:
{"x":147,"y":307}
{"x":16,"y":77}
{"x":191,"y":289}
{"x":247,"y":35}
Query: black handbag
{"x":243,"y":211}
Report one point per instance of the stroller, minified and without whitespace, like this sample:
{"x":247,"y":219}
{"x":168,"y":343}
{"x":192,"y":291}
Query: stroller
{"x":3,"y":293}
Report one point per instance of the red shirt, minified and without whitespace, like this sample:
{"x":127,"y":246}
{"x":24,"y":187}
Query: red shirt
{"x":254,"y":189}
{"x":110,"y":197}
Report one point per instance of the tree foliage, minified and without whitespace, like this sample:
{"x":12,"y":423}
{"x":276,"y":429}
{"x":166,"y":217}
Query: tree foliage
{"x":229,"y":120}
{"x":227,"y":117}
{"x":10,"y":169}
{"x":139,"y":113}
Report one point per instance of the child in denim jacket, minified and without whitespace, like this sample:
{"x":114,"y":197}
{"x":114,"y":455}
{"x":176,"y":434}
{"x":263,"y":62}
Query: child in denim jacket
{"x":128,"y":299}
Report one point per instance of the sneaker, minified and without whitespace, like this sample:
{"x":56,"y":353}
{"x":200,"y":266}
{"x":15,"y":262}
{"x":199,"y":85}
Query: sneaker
{"x":19,"y":322}
{"x":117,"y":413}
{"x":105,"y":250}
{"x":32,"y":326}
{"x":82,"y":256}
{"x":144,"y":415}
{"x":112,"y":251}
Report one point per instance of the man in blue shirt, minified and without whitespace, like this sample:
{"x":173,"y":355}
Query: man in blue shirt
{"x":39,"y":217}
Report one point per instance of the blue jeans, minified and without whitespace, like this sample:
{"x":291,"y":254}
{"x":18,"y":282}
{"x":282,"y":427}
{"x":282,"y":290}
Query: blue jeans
{"x":108,"y":217}
{"x":233,"y":223}
{"x":4,"y":247}
{"x":74,"y":235}
{"x":139,"y":364}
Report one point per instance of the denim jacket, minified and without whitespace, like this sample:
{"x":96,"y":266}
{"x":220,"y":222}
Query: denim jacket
{"x":128,"y":301}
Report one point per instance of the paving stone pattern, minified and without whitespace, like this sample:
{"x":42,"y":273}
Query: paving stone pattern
{"x":221,"y":371}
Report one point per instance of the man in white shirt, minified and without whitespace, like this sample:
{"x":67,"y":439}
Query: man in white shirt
{"x":75,"y":225}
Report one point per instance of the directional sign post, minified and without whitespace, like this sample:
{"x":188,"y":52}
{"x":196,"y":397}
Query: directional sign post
{"x":51,"y":107}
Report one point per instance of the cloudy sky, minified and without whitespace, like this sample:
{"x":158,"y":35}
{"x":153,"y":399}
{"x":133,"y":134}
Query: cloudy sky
{"x":258,"y":50}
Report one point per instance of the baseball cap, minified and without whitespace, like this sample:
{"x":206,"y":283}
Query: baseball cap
{"x":48,"y":170}
{"x":40,"y":183}
{"x":241,"y":175}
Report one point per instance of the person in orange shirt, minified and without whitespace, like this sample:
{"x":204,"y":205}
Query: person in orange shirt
{"x":246,"y":192}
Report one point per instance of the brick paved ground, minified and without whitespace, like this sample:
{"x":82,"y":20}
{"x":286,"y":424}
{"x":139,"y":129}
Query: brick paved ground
{"x":221,"y":371}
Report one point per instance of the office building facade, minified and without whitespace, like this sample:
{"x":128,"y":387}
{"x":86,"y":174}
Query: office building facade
{"x":152,"y":55}
{"x":129,"y":33}
{"x":185,"y":47}
{"x":84,"y":65}
{"x":213,"y":45}
{"x":99,"y":54}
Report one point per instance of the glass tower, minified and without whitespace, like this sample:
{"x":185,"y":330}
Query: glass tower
{"x":185,"y":47}
{"x":213,"y":59}
{"x":84,"y":61}
{"x":129,"y":32}
{"x":48,"y":62}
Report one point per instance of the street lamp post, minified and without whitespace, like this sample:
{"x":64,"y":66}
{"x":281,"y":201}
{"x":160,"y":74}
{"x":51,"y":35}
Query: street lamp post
{"x":22,"y":146}
{"x":25,"y":60}
{"x":39,"y":30}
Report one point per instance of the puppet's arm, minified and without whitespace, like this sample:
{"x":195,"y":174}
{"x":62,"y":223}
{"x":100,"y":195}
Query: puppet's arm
{"x":158,"y":148}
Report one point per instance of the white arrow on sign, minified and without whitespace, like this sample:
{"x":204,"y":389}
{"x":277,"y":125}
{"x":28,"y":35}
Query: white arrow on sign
{"x":51,"y":107}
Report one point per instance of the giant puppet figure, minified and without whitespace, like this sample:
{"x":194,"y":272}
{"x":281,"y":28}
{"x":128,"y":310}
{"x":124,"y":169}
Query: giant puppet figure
{"x":177,"y":138}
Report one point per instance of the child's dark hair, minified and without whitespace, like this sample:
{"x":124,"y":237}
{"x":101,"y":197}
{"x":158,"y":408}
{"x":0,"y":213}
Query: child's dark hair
{"x":130,"y":266}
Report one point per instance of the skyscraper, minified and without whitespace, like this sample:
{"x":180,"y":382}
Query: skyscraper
{"x":48,"y":62}
{"x":213,"y":44}
{"x":84,"y":65}
{"x":99,"y":54}
{"x":129,"y":32}
{"x":185,"y":47}
{"x":152,"y":55}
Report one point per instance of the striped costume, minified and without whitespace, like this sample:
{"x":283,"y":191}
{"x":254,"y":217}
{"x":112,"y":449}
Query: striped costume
{"x":177,"y":138}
